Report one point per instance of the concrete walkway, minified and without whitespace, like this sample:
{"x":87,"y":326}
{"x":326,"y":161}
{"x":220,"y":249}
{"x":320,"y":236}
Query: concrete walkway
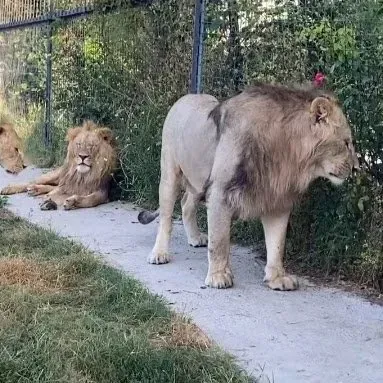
{"x":308,"y":336}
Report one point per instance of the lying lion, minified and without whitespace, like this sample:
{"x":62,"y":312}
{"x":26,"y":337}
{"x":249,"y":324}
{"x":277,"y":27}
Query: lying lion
{"x":250,"y":156}
{"x":11,"y":153}
{"x":84,"y":178}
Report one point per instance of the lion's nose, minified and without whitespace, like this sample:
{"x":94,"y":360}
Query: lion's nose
{"x":83,"y":157}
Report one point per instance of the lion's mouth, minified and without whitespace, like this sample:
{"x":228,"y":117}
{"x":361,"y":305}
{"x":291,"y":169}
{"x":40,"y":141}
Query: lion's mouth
{"x":336,"y":179}
{"x":83,"y":167}
{"x":339,"y":176}
{"x":335,"y":175}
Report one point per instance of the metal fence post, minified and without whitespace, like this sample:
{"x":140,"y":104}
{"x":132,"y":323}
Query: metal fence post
{"x":198,"y":35}
{"x":48,"y":85}
{"x":48,"y":89}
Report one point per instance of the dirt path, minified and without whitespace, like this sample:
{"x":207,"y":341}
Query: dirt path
{"x":311,"y":335}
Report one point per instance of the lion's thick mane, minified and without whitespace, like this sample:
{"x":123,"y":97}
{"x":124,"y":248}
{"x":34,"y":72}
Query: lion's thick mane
{"x":103,"y":162}
{"x":280,"y":150}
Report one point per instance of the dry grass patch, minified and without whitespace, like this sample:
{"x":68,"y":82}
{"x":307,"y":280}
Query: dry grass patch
{"x":27,"y":273}
{"x":183,"y":334}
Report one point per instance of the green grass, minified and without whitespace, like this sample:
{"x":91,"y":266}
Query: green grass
{"x":67,"y":317}
{"x":3,"y":200}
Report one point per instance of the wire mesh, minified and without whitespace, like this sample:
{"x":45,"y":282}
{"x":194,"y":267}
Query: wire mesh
{"x":20,"y":10}
{"x":23,"y":75}
{"x":122,"y":66}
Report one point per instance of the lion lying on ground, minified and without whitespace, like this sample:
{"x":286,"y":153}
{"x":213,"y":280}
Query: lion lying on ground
{"x":250,"y":156}
{"x":11,"y":153}
{"x":84,"y":178}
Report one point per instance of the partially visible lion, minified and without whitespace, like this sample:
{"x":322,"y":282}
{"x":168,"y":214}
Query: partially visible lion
{"x":250,"y":156}
{"x":85,"y":177}
{"x":11,"y":148}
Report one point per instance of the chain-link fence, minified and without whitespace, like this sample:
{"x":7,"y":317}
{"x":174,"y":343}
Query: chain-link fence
{"x":121,"y":63}
{"x":124,"y":63}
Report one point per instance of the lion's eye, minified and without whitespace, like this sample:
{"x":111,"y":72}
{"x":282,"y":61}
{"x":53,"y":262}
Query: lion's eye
{"x":17,"y":150}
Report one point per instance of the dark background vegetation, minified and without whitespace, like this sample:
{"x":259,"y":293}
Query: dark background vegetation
{"x":127,"y":67}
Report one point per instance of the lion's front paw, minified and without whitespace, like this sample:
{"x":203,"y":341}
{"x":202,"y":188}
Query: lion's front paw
{"x":6,"y":191}
{"x":70,"y":203}
{"x":220,"y":280}
{"x":279,"y":280}
{"x":158,"y":257}
{"x":198,"y":241}
{"x":33,"y":190}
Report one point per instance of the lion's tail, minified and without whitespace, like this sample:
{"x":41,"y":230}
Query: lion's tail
{"x":146,"y":217}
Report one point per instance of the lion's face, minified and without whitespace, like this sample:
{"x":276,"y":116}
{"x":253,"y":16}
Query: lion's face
{"x":91,"y":148}
{"x":334,"y":152}
{"x":11,"y":154}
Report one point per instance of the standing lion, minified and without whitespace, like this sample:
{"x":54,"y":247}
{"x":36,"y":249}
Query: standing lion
{"x":251,"y":156}
{"x":84,"y":178}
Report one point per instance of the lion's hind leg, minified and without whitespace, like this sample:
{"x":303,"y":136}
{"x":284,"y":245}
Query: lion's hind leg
{"x":275,"y":228}
{"x":189,"y":204}
{"x":168,"y":193}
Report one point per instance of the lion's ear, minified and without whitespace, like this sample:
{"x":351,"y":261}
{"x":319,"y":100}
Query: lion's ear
{"x":2,"y":130}
{"x":321,"y":108}
{"x":107,"y":135}
{"x":72,"y":133}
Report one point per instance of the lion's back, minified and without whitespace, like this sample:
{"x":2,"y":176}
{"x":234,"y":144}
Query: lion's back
{"x":189,"y":137}
{"x":190,"y":110}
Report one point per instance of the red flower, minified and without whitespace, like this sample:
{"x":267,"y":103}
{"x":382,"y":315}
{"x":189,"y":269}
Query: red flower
{"x":319,"y":79}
